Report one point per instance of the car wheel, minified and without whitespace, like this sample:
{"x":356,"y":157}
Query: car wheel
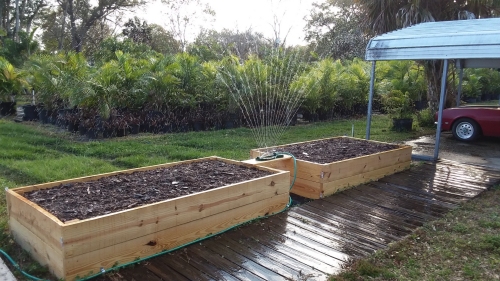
{"x":465,"y":129}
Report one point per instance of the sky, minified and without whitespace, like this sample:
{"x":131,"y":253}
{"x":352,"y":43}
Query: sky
{"x":243,"y":14}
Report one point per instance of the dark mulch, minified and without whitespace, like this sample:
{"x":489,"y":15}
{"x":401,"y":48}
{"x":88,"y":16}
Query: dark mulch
{"x":336,"y":149}
{"x":120,"y":192}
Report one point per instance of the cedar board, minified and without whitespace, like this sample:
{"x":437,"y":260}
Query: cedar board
{"x":318,"y":180}
{"x":81,"y":248}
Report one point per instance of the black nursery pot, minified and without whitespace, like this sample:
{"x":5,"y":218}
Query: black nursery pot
{"x":402,"y":125}
{"x":73,"y":127}
{"x":134,"y":129}
{"x":82,"y":130}
{"x":43,"y":114}
{"x":92,"y":133}
{"x":7,"y":108}
{"x":30,"y":113}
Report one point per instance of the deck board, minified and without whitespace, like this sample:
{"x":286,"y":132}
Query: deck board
{"x":312,"y":240}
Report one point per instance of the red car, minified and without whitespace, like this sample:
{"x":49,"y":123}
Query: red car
{"x":469,"y":122}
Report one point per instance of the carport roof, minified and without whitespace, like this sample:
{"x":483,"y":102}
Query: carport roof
{"x":476,"y":40}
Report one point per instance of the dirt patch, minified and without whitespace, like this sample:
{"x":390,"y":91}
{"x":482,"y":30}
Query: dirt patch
{"x":336,"y":149}
{"x":124,"y":191}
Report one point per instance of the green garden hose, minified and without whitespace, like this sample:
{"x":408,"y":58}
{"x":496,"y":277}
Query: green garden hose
{"x":271,"y":157}
{"x":18,"y":268}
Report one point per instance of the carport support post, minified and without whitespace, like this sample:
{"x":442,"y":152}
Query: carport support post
{"x":441,"y":106}
{"x":370,"y":101}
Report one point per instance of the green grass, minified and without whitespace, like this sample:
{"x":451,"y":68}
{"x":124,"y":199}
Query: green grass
{"x":31,"y":154}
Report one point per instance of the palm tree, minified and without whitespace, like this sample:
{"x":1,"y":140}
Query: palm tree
{"x":387,"y":15}
{"x":12,"y":80}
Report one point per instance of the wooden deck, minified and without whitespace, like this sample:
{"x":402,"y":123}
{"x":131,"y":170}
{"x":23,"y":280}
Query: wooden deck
{"x":313,"y":240}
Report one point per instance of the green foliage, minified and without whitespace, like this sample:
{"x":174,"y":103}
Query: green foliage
{"x":471,"y":86}
{"x":397,"y":104}
{"x":405,"y":76}
{"x":17,"y":52}
{"x":12,"y":80}
{"x":425,"y":118}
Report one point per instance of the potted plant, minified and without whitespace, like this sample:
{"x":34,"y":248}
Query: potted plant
{"x":399,"y":106}
{"x":12,"y":82}
{"x":471,"y":88}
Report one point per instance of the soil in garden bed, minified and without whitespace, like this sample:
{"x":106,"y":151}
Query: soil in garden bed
{"x":110,"y":194}
{"x":336,"y":149}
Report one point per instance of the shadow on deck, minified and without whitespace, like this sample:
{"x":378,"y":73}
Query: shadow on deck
{"x":313,"y":240}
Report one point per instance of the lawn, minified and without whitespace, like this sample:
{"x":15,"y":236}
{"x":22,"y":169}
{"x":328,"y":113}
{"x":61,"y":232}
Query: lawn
{"x":31,"y":153}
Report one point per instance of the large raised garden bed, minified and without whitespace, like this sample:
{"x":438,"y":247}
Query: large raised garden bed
{"x":73,"y":247}
{"x":342,"y":162}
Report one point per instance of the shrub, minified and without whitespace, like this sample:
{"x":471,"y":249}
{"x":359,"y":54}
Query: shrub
{"x":426,"y":118}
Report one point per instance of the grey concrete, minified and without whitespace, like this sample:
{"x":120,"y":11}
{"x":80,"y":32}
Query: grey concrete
{"x":5,"y":274}
{"x":485,"y":151}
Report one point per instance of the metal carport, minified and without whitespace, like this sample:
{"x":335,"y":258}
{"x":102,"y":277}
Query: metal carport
{"x":471,"y":43}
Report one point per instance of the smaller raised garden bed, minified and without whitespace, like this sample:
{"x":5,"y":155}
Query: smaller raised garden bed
{"x":81,"y":226}
{"x":329,"y":165}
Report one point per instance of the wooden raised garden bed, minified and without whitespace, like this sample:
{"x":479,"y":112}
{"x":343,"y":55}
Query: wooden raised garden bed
{"x":315,"y":180}
{"x":78,"y":248}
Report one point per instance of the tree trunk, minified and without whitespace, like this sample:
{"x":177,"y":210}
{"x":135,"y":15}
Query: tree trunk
{"x":76,"y":40}
{"x":22,"y":13}
{"x":63,"y":27}
{"x":433,"y":72}
{"x":16,"y":27}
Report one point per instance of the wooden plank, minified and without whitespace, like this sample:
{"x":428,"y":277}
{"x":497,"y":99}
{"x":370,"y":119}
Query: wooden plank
{"x":320,"y":244}
{"x":190,"y":256}
{"x":307,"y":189}
{"x":421,"y":209}
{"x":267,"y":252}
{"x":265,"y":261}
{"x":310,"y":257}
{"x":365,"y":164}
{"x":96,"y":233}
{"x":40,"y":222}
{"x":359,"y":237}
{"x":170,"y":238}
{"x":366,"y":222}
{"x":395,"y":220}
{"x":195,"y":256}
{"x":344,"y":242}
{"x":183,"y":268}
{"x":315,"y":190}
{"x":221,"y":262}
{"x":347,"y":182}
{"x":345,"y":225}
{"x":163,"y":271}
{"x":42,"y":252}
{"x":256,"y":269}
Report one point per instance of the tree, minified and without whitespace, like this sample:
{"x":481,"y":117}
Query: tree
{"x":182,"y":15}
{"x":152,"y":35}
{"x":336,"y":28}
{"x":82,"y":16}
{"x":163,"y":41}
{"x":137,"y":31}
{"x":387,"y":15}
{"x":20,"y":16}
{"x":56,"y":36}
{"x":214,"y":45}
